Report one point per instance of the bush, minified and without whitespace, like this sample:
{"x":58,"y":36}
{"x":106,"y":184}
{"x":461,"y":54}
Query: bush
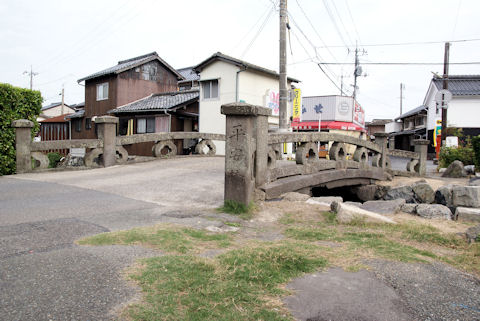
{"x":476,"y":149}
{"x":450,"y":154}
{"x":53,"y":159}
{"x":15,"y":103}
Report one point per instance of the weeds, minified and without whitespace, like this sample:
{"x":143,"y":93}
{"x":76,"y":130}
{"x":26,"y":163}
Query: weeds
{"x":237,"y":208}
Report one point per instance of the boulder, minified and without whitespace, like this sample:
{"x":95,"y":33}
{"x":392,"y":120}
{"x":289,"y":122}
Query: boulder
{"x":424,"y":193}
{"x":295,"y":197}
{"x":366,"y":192}
{"x":325,"y":200}
{"x":357,"y":204}
{"x":434,"y":211}
{"x":466,"y":196}
{"x":469,"y":169}
{"x":473,"y":234}
{"x":381,"y":191}
{"x":455,"y":170}
{"x":347,"y":213}
{"x":384,"y":207}
{"x":467,"y":214}
{"x":475,"y":181}
{"x":442,"y":170}
{"x":409,"y":208}
{"x":405,"y":192}
{"x":443,"y":195}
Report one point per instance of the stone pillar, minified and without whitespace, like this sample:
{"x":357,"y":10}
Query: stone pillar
{"x":381,"y":139}
{"x":23,"y":139}
{"x":246,"y":150}
{"x":107,"y":131}
{"x":421,"y":147}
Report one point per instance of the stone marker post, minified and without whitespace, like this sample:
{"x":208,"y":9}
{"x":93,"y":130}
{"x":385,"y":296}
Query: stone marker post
{"x":421,"y":147}
{"x":246,"y":150}
{"x":381,"y":139}
{"x":23,"y":139}
{"x":107,"y":132}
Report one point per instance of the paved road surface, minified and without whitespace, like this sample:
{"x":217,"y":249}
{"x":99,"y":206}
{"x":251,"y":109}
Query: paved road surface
{"x":44,"y":275}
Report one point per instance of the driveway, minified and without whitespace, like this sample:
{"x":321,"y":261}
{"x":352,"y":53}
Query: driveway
{"x":45,"y":276}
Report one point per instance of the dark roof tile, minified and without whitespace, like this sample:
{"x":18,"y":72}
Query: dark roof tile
{"x":460,"y":85}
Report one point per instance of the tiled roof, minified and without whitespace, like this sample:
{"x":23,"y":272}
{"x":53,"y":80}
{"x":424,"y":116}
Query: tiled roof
{"x":189,"y":74}
{"x":379,"y":122}
{"x":78,"y":114}
{"x":238,"y":62}
{"x":412,"y":112}
{"x":57,"y":119}
{"x":53,"y":105}
{"x":124,"y":65}
{"x":156,"y":102}
{"x":460,"y":85}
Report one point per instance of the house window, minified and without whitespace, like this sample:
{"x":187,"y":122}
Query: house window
{"x":102,"y":91}
{"x":88,"y":123}
{"x":145,"y":125}
{"x":78,"y":125}
{"x":210,"y":89}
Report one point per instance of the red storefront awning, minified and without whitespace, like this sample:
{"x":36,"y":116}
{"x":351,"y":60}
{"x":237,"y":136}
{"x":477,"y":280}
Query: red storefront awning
{"x":313,"y":125}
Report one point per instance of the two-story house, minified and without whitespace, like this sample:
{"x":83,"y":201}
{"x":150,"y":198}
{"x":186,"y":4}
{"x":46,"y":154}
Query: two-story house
{"x":126,"y":82}
{"x":224,"y":79}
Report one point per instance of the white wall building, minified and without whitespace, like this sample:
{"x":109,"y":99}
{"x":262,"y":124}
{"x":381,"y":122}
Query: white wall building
{"x":54,"y":110}
{"x":224,"y":80}
{"x":463,"y":109}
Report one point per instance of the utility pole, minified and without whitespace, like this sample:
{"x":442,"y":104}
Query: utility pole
{"x":357,"y":72}
{"x":402,"y":87}
{"x":31,"y":74}
{"x":283,"y":121}
{"x":63,"y":100}
{"x":445,"y":86}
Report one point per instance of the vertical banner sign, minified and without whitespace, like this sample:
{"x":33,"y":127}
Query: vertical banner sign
{"x":297,"y":104}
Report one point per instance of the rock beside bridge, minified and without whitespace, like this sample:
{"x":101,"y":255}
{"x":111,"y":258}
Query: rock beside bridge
{"x":467,"y":214}
{"x":434,"y":211}
{"x":384,"y":207}
{"x":325,"y":200}
{"x":405,"y":192}
{"x":423,"y":192}
{"x":295,"y":197}
{"x":347,"y":213}
{"x":466,"y":196}
{"x":454,"y":170}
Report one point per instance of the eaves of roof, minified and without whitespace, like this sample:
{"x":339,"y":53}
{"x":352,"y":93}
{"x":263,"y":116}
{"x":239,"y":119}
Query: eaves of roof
{"x":412,"y":112}
{"x":238,"y":62}
{"x":128,"y":64}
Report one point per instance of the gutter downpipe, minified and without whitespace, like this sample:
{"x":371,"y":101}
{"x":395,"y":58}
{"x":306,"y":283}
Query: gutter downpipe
{"x":236,"y":81}
{"x":169,"y":120}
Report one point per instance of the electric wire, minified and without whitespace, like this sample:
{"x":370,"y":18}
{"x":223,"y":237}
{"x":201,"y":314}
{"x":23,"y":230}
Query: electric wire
{"x":262,"y":26}
{"x":332,"y":18}
{"x":353,"y":22}
{"x":403,"y":43}
{"x":341,"y":22}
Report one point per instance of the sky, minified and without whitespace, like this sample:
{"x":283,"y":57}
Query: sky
{"x":64,"y":41}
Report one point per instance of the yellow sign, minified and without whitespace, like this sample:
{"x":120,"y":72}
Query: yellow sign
{"x":297,"y":104}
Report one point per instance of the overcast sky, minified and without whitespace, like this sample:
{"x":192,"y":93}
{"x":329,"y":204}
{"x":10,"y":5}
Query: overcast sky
{"x":67,"y":40}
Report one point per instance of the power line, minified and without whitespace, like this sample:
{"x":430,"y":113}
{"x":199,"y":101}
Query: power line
{"x":314,"y":29}
{"x":272,"y":10}
{"x":332,"y":18}
{"x":403,"y":43}
{"x":341,"y":21}
{"x":403,"y":63}
{"x":353,"y":22}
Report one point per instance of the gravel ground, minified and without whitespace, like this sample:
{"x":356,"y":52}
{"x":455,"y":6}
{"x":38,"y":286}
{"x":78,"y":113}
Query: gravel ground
{"x":432,"y":291}
{"x":391,"y":291}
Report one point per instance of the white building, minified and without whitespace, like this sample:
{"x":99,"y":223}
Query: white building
{"x":464,"y":108}
{"x":224,"y":80}
{"x":54,"y":110}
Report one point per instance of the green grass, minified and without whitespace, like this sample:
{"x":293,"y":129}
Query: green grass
{"x":234,"y":286}
{"x":171,"y":240}
{"x":236,"y":208}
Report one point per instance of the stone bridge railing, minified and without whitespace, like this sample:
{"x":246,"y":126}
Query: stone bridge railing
{"x":252,"y":154}
{"x":108,"y":147}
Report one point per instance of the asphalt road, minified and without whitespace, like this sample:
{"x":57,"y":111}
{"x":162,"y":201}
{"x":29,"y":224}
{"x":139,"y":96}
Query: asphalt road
{"x":45,"y":276}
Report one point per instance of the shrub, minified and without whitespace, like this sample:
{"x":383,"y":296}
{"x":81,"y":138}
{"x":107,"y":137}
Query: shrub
{"x":15,"y":103}
{"x":476,"y":149}
{"x":53,"y":159}
{"x":450,"y":154}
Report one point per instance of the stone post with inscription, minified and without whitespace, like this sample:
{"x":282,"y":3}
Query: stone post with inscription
{"x":421,"y":147}
{"x":107,"y":131}
{"x":23,"y":140}
{"x":381,"y":139}
{"x":246,"y":150}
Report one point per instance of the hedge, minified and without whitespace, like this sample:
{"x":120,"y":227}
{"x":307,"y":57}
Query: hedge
{"x":463,"y":154}
{"x":476,"y":150}
{"x":15,"y":103}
